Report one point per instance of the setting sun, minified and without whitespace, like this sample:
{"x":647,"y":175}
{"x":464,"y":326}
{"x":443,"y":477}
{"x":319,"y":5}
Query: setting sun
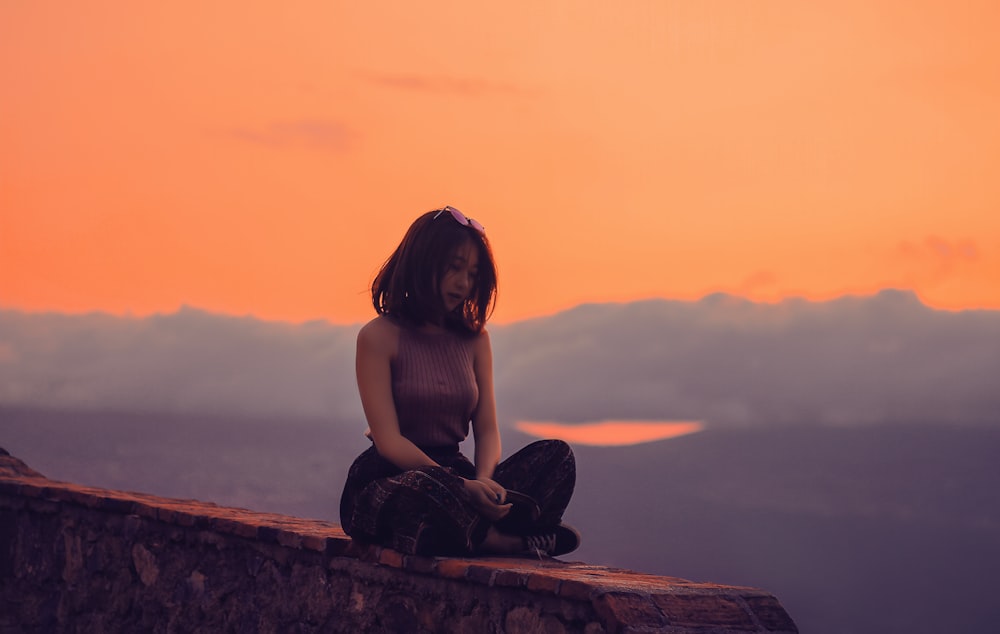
{"x":610,"y":433}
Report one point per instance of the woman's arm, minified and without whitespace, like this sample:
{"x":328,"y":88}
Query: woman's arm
{"x":484,"y":419}
{"x":488,"y":496}
{"x":377,"y":343}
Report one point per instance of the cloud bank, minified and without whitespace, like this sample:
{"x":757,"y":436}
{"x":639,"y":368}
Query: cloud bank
{"x":728,"y":361}
{"x":721,"y":360}
{"x":187,"y":362}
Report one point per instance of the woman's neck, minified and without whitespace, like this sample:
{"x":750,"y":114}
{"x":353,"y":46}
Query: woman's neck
{"x":432,"y":327}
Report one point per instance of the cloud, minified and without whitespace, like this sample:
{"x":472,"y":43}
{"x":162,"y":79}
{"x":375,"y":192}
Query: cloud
{"x":940,"y":250}
{"x":935,"y":258}
{"x":722,"y":360}
{"x":728,"y":361}
{"x":757,"y":281}
{"x":186,"y":362}
{"x":309,"y":133}
{"x":465,"y":86}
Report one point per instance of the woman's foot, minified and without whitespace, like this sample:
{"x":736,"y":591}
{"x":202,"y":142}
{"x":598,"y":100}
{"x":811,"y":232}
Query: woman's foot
{"x":560,"y":540}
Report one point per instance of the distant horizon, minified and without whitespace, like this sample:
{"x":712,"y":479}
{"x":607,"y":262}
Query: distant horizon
{"x":664,"y":298}
{"x":877,"y":359}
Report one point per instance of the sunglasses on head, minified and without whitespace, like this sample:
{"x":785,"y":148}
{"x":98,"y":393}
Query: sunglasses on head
{"x":461,"y":218}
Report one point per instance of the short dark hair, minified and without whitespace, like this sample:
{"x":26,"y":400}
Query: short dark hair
{"x":406,"y":287}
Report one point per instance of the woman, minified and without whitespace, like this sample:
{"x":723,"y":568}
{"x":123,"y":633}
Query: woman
{"x":425,"y":372}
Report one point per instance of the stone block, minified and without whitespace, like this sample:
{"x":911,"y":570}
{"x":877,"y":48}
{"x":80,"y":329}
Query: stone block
{"x":145,"y":565}
{"x":233,"y":527}
{"x":389,"y":557}
{"x":189,"y":519}
{"x":576,"y":589}
{"x":522,"y":619}
{"x":481,"y":574}
{"x":770,"y":613}
{"x":289,"y":539}
{"x":542,"y":583}
{"x":692,"y":609}
{"x":422,"y":565}
{"x":452,"y":568}
{"x":122,"y":505}
{"x":145,"y":509}
{"x":314,"y":542}
{"x":511,"y":578}
{"x":619,"y":610}
{"x":267,"y":534}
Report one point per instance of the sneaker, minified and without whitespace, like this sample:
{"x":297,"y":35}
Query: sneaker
{"x":560,"y":540}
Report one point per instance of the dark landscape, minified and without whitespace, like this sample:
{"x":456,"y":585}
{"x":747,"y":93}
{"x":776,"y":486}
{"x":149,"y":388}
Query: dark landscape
{"x":854,"y":529}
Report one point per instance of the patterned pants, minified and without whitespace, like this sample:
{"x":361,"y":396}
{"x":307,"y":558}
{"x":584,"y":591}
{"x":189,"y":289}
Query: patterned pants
{"x":425,"y":511}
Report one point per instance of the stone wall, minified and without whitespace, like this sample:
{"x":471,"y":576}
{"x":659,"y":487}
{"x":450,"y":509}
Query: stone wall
{"x":80,"y":559}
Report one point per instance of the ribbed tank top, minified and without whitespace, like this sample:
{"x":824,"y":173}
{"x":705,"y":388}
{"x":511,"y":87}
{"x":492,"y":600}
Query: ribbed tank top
{"x":434,"y":386}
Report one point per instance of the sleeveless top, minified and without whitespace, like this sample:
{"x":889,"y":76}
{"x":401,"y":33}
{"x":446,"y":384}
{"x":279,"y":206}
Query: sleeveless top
{"x":434,"y":386}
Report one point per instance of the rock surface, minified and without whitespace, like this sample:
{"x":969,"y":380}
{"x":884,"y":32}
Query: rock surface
{"x":81,"y":559}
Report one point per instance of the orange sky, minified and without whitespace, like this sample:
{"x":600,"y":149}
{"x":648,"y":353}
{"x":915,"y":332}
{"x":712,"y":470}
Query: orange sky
{"x":266,"y":160}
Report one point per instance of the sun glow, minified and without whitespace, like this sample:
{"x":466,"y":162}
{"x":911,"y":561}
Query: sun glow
{"x":610,"y":433}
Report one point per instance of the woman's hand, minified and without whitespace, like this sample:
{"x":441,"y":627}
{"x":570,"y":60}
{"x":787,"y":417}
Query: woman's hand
{"x":499,"y":493}
{"x":488,"y":498}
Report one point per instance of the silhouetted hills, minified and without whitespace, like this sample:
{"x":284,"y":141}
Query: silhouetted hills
{"x":731,"y":362}
{"x":727,"y":361}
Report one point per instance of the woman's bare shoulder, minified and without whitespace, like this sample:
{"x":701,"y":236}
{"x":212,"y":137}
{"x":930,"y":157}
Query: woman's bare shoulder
{"x":482,"y":341}
{"x":380,"y":333}
{"x":381,"y":324}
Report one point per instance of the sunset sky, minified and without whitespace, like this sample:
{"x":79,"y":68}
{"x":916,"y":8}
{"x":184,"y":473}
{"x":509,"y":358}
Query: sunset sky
{"x":251,"y":158}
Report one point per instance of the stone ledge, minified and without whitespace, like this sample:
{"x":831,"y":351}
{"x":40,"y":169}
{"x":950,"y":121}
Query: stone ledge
{"x":624,"y":600}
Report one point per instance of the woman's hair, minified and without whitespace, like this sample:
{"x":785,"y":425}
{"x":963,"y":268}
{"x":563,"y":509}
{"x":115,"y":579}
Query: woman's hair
{"x":406,"y":287}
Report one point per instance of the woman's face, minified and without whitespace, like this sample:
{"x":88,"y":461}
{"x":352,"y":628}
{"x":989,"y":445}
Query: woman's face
{"x":459,"y":278}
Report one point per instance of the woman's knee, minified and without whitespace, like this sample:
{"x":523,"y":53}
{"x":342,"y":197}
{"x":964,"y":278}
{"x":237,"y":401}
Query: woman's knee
{"x":558,"y":447}
{"x":552,"y":449}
